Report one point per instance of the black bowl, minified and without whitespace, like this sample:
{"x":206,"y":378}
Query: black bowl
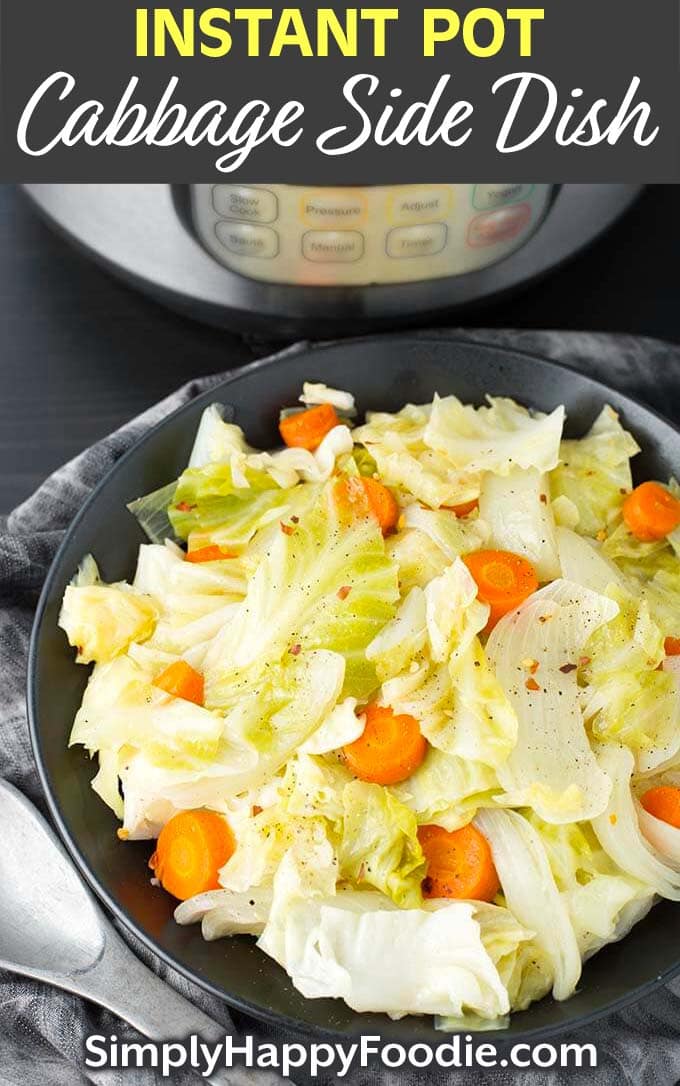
{"x":383,"y":373}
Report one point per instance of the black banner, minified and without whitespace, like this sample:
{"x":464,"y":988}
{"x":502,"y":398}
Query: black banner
{"x":108,"y":90}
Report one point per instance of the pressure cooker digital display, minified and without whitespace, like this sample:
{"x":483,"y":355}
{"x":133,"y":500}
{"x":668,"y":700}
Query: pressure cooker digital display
{"x":362,"y":236}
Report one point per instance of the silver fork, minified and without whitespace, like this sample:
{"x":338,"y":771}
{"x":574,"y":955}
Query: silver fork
{"x":53,"y":930}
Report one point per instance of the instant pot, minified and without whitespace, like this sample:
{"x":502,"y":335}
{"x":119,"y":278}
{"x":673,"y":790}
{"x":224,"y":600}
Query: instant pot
{"x":290,"y":260}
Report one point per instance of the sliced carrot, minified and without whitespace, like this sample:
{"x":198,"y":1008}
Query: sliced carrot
{"x":651,"y":512}
{"x":504,"y":580}
{"x":663,"y":802}
{"x":464,"y":509}
{"x":307,"y":429}
{"x":212,"y":553}
{"x":366,"y":497}
{"x":671,"y":646}
{"x":390,"y":749}
{"x":191,"y":849}
{"x":182,"y":681}
{"x":459,"y":864}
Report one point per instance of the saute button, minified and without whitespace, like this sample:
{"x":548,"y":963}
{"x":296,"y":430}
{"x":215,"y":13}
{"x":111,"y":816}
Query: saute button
{"x":486,"y":197}
{"x":493,"y":227}
{"x":409,"y":241}
{"x":245,"y":240}
{"x":333,"y":246}
{"x":337,"y":208}
{"x":242,"y":202}
{"x":420,"y":204}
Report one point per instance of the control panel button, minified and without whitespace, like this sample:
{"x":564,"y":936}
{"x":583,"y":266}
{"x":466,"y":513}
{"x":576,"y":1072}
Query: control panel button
{"x":410,"y":241}
{"x":334,"y":208}
{"x":245,"y":203}
{"x":333,"y":246}
{"x":493,"y":227}
{"x":245,"y":240}
{"x":487,"y":197}
{"x":420,"y":204}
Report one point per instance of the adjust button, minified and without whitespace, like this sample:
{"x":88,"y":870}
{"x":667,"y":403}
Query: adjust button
{"x":245,"y":203}
{"x":420,"y":205}
{"x":333,"y":246}
{"x":245,"y":240}
{"x":409,"y":241}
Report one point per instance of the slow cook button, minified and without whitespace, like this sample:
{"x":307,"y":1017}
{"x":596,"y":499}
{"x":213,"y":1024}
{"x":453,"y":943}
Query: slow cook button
{"x":420,"y":204}
{"x":245,"y":240}
{"x":333,"y":208}
{"x":333,"y":246}
{"x":409,"y":241}
{"x":245,"y":203}
{"x":493,"y":227}
{"x":486,"y":197}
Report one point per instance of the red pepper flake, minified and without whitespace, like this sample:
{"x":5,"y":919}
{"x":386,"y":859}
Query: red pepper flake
{"x":295,"y":650}
{"x":566,"y":668}
{"x":257,"y":809}
{"x":295,"y":520}
{"x":287,"y":529}
{"x":583,"y":661}
{"x":426,"y":885}
{"x":623,"y":490}
{"x":544,"y":499}
{"x":184,"y":507}
{"x":531,"y":684}
{"x":344,"y":592}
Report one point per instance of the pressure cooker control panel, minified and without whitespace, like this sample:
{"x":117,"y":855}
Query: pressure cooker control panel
{"x":358,"y":236}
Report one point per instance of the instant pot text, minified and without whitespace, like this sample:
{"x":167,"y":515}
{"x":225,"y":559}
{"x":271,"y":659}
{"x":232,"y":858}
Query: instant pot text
{"x":334,"y":94}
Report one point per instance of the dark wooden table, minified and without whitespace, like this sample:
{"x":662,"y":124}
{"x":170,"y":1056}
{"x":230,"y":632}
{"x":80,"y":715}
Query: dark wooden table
{"x":80,"y":352}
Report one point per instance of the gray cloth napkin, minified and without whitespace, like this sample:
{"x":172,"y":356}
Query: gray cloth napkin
{"x":42,"y":1030}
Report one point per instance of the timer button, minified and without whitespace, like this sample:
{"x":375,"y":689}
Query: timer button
{"x":493,"y":227}
{"x":245,"y":203}
{"x":411,"y":241}
{"x":245,"y":240}
{"x":332,"y":246}
{"x":487,"y":197}
{"x":419,"y":204}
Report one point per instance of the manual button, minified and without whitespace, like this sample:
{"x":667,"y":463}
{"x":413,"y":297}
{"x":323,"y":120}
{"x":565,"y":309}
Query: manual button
{"x":245,"y":203}
{"x":410,"y":241}
{"x":245,"y":240}
{"x":333,"y":246}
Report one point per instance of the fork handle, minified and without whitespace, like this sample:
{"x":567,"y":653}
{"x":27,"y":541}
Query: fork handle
{"x":125,"y":986}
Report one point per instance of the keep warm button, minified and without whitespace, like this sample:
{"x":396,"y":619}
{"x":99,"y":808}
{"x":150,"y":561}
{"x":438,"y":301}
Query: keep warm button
{"x":333,"y":246}
{"x":410,"y":241}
